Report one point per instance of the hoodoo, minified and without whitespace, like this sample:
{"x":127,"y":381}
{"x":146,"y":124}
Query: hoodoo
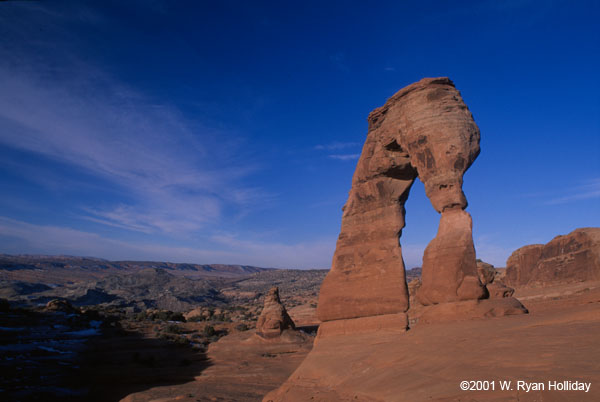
{"x":274,"y":318}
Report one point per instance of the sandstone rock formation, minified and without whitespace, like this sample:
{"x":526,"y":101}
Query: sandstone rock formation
{"x":274,"y":318}
{"x":486,"y":272}
{"x":492,"y":281}
{"x":425,"y":130}
{"x":569,"y":258}
{"x":62,"y":306}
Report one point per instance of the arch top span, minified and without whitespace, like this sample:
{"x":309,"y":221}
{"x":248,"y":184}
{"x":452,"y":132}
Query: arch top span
{"x":424,"y":130}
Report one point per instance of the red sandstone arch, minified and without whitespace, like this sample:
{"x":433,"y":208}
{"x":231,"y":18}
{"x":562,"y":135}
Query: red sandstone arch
{"x":424,"y":130}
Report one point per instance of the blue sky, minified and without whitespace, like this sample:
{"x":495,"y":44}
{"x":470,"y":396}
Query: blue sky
{"x":228,"y":132}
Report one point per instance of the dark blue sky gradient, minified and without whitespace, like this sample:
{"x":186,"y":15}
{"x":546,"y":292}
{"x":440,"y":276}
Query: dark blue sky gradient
{"x":228,"y":132}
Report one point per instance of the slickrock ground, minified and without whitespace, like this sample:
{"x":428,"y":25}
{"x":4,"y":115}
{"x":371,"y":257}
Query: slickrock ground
{"x":242,"y":368}
{"x":558,"y":340}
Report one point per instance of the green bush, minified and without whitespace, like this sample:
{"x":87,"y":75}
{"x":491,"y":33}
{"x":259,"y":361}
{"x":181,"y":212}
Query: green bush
{"x":241,"y":327}
{"x":209,"y":331}
{"x":173,"y":329}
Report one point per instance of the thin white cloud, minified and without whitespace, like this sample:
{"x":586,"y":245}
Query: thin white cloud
{"x":338,"y":60}
{"x":344,"y":157}
{"x":227,"y":249}
{"x":588,"y":190}
{"x":337,"y":145}
{"x":148,"y":151}
{"x":173,"y":174}
{"x":315,"y":254}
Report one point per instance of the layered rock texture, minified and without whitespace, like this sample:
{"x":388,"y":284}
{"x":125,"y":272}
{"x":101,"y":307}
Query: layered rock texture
{"x":274,"y":318}
{"x":490,"y":278}
{"x":425,"y":130}
{"x":569,"y":258}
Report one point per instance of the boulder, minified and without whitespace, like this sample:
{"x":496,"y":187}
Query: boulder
{"x":485,"y":272}
{"x":470,"y":309}
{"x":492,"y":281}
{"x":195,"y":314}
{"x":497,"y":290}
{"x":61,"y":305}
{"x":573,"y":257}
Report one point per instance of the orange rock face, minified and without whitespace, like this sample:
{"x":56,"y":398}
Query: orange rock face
{"x":274,"y":318}
{"x":449,"y":264}
{"x":425,"y":130}
{"x":570,"y":258}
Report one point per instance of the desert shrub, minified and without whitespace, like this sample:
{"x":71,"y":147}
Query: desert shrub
{"x":209,"y":331}
{"x":177,"y":317}
{"x":217,"y":317}
{"x":181,"y":341}
{"x":241,"y":327}
{"x":176,"y":339}
{"x":167,"y":315}
{"x":173,"y":329}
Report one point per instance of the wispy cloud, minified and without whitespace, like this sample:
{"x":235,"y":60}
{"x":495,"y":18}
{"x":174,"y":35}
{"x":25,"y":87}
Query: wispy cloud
{"x":344,"y":157}
{"x":174,"y":174}
{"x":337,"y":145}
{"x":589,"y":189}
{"x":339,"y":61}
{"x":227,"y":249}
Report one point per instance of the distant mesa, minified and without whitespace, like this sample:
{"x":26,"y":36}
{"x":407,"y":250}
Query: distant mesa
{"x":274,"y":318}
{"x":573,"y":257}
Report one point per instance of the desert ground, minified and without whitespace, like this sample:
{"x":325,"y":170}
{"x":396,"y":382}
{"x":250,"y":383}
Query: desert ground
{"x":556,"y":341}
{"x":141,"y":358}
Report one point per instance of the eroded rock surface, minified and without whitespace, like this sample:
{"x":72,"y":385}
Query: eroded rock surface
{"x":425,"y":130}
{"x":486,"y":272}
{"x":449,"y":264}
{"x":274,"y":318}
{"x":493,"y":281}
{"x":569,"y":258}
